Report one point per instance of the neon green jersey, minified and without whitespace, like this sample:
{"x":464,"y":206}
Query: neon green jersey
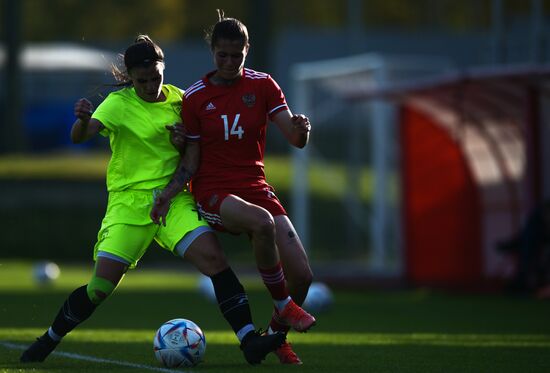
{"x":142,"y":155}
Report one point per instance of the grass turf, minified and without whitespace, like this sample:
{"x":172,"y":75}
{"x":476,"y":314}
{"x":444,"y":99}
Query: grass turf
{"x":364,"y":331}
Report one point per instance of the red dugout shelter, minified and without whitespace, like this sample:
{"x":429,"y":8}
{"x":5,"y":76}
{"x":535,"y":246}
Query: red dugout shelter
{"x":473,"y":164}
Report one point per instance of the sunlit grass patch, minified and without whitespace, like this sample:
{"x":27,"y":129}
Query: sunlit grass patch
{"x":17,"y":276}
{"x":326,"y":180}
{"x":219,"y":337}
{"x":93,"y":165}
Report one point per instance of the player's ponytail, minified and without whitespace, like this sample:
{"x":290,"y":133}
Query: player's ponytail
{"x":226,"y":28}
{"x":143,"y":53}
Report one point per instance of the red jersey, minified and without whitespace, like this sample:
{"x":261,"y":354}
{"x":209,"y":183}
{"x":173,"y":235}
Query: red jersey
{"x":231,"y":122}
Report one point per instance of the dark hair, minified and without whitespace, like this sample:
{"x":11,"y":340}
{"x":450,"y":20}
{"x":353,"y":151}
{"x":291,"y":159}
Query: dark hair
{"x":226,"y":28}
{"x":143,"y":53}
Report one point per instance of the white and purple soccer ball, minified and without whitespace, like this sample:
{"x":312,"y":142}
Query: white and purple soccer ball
{"x":319,"y":298}
{"x":178,"y":343}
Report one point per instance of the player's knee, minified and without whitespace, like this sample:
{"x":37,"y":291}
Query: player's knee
{"x":214,"y":262}
{"x":207,"y":256}
{"x":264,"y":225}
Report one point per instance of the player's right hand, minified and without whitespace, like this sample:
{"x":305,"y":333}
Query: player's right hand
{"x":83,"y":109}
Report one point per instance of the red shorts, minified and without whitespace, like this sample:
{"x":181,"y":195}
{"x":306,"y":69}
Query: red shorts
{"x":209,"y":203}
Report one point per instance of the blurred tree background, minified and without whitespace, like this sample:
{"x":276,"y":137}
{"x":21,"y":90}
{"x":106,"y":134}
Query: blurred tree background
{"x":173,"y":20}
{"x":283,"y":33}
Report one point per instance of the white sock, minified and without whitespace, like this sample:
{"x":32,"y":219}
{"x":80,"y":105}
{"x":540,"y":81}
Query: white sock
{"x":280,"y":304}
{"x":53,"y":336}
{"x":244,"y":331}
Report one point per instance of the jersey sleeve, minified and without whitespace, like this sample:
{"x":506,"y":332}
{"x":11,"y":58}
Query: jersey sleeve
{"x":190,"y":120}
{"x":108,"y":114}
{"x":276,"y":100}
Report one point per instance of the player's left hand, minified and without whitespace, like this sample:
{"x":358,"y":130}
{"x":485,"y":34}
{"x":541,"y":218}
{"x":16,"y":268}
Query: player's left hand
{"x":301,"y":123}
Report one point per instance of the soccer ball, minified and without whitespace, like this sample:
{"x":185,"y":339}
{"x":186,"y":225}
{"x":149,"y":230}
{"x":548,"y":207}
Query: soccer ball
{"x":206,"y":289}
{"x":319,"y":298}
{"x":179,"y":342}
{"x":45,"y":272}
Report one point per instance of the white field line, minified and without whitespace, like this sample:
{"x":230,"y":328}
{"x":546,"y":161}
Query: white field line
{"x":92,"y":359}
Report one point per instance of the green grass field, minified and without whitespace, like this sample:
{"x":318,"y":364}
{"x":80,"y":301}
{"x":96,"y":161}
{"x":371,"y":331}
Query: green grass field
{"x":365,"y":331}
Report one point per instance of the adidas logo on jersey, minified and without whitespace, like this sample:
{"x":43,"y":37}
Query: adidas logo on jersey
{"x":210,"y":106}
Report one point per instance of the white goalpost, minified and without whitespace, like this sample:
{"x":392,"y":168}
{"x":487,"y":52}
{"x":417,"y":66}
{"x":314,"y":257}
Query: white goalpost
{"x":354,"y":146}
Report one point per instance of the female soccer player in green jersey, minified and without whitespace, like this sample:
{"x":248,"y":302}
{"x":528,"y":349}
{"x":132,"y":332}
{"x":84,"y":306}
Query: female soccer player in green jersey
{"x":143,"y":161}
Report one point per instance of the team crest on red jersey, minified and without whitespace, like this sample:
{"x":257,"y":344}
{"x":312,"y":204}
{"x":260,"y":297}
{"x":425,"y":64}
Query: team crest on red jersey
{"x":249,"y":99}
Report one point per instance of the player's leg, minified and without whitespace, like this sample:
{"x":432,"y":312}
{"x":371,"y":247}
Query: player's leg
{"x":298,"y":275}
{"x":206,"y":254}
{"x":238,"y":216}
{"x":201,"y":247}
{"x":78,"y":307}
{"x":294,"y":259}
{"x":119,"y":247}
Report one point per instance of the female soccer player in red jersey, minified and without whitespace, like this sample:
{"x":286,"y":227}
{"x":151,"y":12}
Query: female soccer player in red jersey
{"x":142,"y":162}
{"x":225,"y":116}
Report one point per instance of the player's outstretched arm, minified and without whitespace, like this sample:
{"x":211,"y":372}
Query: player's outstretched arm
{"x":186,"y":169}
{"x":295,"y":127}
{"x":85,"y":127}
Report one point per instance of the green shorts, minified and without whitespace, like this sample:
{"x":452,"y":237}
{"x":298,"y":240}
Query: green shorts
{"x":127,"y":230}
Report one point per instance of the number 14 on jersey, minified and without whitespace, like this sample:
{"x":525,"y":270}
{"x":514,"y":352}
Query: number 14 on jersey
{"x":235,"y":130}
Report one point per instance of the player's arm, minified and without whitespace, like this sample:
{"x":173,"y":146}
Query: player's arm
{"x":187,"y":167}
{"x":295,"y":127}
{"x":85,"y":127}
